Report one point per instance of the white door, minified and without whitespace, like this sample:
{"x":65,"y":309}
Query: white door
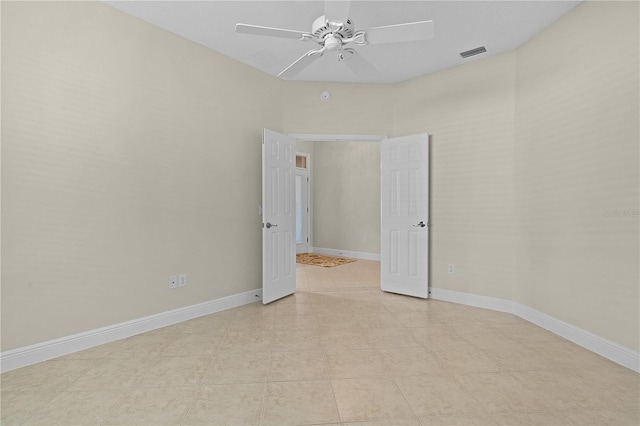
{"x":302,"y":211}
{"x":405,"y":215}
{"x":278,"y":216}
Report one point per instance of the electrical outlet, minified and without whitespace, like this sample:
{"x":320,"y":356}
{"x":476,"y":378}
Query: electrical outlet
{"x":452,"y":268}
{"x":182,"y":280}
{"x":173,"y":282}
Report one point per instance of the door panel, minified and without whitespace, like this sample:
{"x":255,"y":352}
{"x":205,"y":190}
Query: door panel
{"x":278,"y":221}
{"x":405,"y":215}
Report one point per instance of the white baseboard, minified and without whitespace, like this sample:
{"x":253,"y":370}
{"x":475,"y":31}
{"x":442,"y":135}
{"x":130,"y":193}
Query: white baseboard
{"x":603,"y":347}
{"x":21,"y":357}
{"x":346,"y":253}
{"x":469,"y":299}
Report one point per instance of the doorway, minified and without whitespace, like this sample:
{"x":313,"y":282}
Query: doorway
{"x":302,"y":182}
{"x":344,"y":197}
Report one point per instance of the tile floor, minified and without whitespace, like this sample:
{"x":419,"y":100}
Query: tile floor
{"x":339,"y":351}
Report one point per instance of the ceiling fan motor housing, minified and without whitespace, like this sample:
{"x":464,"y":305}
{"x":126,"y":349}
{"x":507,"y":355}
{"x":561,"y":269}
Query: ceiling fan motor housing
{"x":322,"y":28}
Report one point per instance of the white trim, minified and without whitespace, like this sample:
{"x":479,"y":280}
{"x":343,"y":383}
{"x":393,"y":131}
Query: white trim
{"x":21,"y":357}
{"x":603,"y":347}
{"x":346,"y":253}
{"x":337,"y":138}
{"x":469,"y":299}
{"x":594,"y":343}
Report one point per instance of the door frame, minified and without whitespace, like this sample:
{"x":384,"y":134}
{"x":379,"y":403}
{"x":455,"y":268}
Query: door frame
{"x":306,"y":172}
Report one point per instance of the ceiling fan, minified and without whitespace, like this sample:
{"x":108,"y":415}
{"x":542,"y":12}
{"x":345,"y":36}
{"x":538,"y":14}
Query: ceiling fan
{"x":334,"y":30}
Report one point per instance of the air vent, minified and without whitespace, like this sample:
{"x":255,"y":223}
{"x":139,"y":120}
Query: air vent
{"x":473,"y":52}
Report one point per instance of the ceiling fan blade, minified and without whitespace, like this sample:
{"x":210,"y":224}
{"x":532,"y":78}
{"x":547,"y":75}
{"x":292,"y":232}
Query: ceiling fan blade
{"x":411,"y":31}
{"x":271,"y":32}
{"x":359,"y":65}
{"x":336,"y":10}
{"x":303,"y":62}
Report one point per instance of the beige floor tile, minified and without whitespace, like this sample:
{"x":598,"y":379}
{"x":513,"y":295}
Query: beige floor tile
{"x":298,"y":365}
{"x":388,"y":422}
{"x":434,"y":395}
{"x":252,"y":324}
{"x":441,"y":338}
{"x":302,"y":285}
{"x":301,"y":402}
{"x":460,"y":362}
{"x":142,"y":345}
{"x":16,"y":407}
{"x":603,"y":417}
{"x":247,"y":341}
{"x":566,"y":390}
{"x":114,"y":373}
{"x":460,"y":420}
{"x":153,"y":406}
{"x":408,"y":305}
{"x":391,"y":338}
{"x":334,"y":321}
{"x":46,"y":376}
{"x":344,"y":339}
{"x":77,"y":408}
{"x":237,"y":367}
{"x":379,"y":320}
{"x":213,"y":325}
{"x":347,"y":364}
{"x":193,"y":344}
{"x":322,"y":286}
{"x":370,"y":399}
{"x":232,"y":404}
{"x":369,"y":295}
{"x":295,"y":309}
{"x":296,"y":340}
{"x":409,"y":361}
{"x":175,"y":371}
{"x":504,"y":393}
{"x":296,"y":322}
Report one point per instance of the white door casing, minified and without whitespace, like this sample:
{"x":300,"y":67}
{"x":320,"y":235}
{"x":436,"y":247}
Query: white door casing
{"x":278,"y":216}
{"x":404,"y":215}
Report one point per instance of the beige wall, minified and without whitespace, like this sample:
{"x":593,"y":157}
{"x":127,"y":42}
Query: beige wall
{"x":576,"y":157}
{"x":354,"y":109}
{"x":129,"y":154}
{"x":469,"y":113}
{"x":530,"y":150}
{"x":116,"y":171}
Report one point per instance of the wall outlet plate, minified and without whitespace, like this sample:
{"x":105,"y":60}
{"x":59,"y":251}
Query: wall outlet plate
{"x":173,"y":282}
{"x":182,"y":280}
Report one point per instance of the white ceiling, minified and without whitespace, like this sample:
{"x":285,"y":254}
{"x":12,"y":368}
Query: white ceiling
{"x":500,"y":26}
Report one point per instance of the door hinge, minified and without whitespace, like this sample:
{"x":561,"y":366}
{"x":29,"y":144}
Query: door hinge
{"x":307,"y":239}
{"x":307,"y":179}
{"x":307,"y":209}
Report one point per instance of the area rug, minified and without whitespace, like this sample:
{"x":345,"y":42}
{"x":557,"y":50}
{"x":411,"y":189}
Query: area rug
{"x":322,"y":260}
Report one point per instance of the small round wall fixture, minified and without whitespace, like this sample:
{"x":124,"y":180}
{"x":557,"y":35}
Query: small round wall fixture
{"x":325,"y":95}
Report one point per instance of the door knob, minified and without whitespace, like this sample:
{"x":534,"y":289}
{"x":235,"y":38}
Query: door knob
{"x":270,"y":225}
{"x":421,"y":225}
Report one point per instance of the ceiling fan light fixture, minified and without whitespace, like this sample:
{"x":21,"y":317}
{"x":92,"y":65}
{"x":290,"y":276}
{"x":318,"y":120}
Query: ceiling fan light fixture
{"x":473,"y":52}
{"x":332,"y":43}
